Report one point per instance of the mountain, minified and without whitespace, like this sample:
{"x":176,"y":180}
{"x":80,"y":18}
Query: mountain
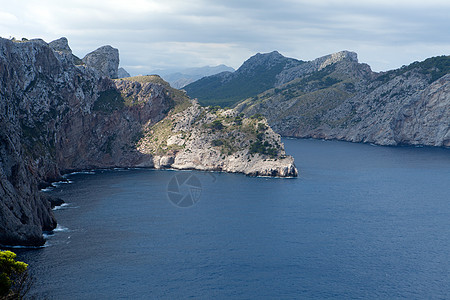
{"x":181,"y":78}
{"x":105,"y":59}
{"x":122,"y":73}
{"x":59,"y":115}
{"x":343,"y":99}
{"x":257,"y":74}
{"x":336,"y":97}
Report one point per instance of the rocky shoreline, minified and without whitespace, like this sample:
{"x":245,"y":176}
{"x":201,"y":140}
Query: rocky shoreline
{"x":60,"y":113}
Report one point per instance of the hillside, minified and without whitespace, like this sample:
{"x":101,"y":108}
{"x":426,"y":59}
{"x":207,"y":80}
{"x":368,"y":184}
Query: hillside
{"x":336,"y":97}
{"x":256,"y":75}
{"x":60,"y":115}
{"x":345,"y":100}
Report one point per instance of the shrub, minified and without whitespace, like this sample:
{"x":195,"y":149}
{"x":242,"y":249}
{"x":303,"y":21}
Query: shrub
{"x":257,"y":116}
{"x":260,"y":136}
{"x":262,"y":127}
{"x":217,"y":125}
{"x":15,"y":281}
{"x":263,"y":148}
{"x":217,"y":143}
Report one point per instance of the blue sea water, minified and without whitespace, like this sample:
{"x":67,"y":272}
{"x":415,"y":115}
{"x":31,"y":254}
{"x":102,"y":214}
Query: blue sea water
{"x":360,"y":222}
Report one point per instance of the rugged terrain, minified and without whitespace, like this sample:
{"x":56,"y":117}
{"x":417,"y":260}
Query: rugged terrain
{"x":257,"y":74}
{"x":345,"y":100}
{"x":180,"y":78}
{"x":336,"y":97}
{"x":60,"y":113}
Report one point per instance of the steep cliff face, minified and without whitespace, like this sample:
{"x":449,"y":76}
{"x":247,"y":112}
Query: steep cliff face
{"x":61,"y":48}
{"x":336,"y":97}
{"x":23,"y":213}
{"x":57,"y":116}
{"x":105,"y":60}
{"x":217,"y":140}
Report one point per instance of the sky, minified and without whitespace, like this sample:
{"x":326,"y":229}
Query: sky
{"x":177,"y":34}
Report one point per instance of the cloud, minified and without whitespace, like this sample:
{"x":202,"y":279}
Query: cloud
{"x":161,"y":34}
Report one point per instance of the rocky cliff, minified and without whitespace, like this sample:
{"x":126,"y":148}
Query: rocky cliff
{"x":218,"y":140}
{"x":57,"y":116}
{"x":105,"y":60}
{"x":335,"y":97}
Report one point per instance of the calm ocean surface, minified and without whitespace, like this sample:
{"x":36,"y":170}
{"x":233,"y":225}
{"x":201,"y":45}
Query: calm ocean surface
{"x":360,"y":222}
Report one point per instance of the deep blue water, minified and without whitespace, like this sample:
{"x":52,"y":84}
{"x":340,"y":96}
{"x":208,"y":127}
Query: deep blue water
{"x":359,"y":222}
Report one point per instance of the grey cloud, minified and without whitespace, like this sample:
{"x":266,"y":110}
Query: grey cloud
{"x":152,"y":34}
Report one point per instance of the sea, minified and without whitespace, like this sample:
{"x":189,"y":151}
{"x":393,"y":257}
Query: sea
{"x":360,"y":222}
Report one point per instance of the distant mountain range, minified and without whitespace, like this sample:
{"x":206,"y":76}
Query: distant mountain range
{"x":256,"y":75}
{"x":336,"y":97}
{"x":180,"y":78}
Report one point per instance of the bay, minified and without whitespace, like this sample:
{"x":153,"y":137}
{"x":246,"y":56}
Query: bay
{"x":360,"y":221}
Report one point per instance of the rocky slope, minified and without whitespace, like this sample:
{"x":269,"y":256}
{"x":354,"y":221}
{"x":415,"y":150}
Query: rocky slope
{"x":339,"y":98}
{"x":257,"y":74}
{"x":58,"y":115}
{"x":218,"y":140}
{"x":105,"y":59}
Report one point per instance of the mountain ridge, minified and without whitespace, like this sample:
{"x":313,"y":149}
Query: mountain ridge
{"x":256,"y":74}
{"x":260,"y":72}
{"x":347,"y":101}
{"x":58,"y":116}
{"x":180,"y":78}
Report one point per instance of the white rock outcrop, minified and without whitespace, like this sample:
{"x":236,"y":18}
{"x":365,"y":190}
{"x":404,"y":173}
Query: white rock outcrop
{"x":105,"y":60}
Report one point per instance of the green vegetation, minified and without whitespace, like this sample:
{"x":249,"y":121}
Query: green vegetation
{"x":226,"y":145}
{"x":434,"y":67}
{"x":36,"y":138}
{"x":217,"y":125}
{"x":308,"y":98}
{"x":221,"y":129}
{"x":15,"y":281}
{"x":262,"y":127}
{"x":263,"y":148}
{"x":217,"y":143}
{"x":155,"y":137}
{"x":237,"y":86}
{"x":257,"y":116}
{"x":147,"y":79}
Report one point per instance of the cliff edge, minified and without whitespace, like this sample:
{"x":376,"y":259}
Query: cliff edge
{"x":59,"y":115}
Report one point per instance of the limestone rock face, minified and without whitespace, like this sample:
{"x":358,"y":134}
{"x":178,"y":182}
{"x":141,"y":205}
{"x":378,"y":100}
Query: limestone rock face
{"x":300,"y":70}
{"x":64,"y":53}
{"x":122,"y":73}
{"x":105,"y":60}
{"x":61,"y":45}
{"x":58,"y":117}
{"x":217,"y":140}
{"x":335,"y":97}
